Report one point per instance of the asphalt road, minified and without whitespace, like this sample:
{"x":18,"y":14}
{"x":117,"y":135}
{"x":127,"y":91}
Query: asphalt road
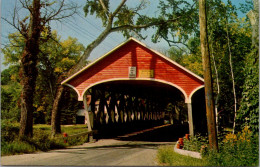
{"x":132,"y":149}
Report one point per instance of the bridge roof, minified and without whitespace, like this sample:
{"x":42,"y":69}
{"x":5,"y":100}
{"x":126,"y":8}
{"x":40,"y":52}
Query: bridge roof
{"x":134,"y":61}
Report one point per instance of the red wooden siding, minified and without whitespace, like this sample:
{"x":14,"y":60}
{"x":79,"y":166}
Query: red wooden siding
{"x":116,"y":66}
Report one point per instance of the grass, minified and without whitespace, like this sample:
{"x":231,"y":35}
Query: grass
{"x":41,"y":140}
{"x":69,"y":129}
{"x":167,"y":157}
{"x":240,"y":149}
{"x":17,"y":147}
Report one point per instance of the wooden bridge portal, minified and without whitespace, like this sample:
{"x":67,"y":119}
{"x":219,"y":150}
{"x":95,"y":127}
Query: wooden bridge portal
{"x":133,"y":83}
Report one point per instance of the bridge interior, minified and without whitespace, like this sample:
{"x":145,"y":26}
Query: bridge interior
{"x":120,"y":107}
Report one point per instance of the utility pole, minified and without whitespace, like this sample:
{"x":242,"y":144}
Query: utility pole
{"x":211,"y":122}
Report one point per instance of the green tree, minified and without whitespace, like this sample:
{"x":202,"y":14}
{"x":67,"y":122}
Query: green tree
{"x":189,"y":58}
{"x":238,"y":43}
{"x":56,"y":57}
{"x":39,"y":15}
{"x":248,"y":113}
{"x":10,"y":94}
{"x":178,"y":32}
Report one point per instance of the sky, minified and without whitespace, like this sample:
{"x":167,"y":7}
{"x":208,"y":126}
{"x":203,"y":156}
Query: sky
{"x":86,"y":29}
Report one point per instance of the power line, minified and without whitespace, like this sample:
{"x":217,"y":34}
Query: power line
{"x":77,"y":29}
{"x":96,"y":27}
{"x":84,"y":30}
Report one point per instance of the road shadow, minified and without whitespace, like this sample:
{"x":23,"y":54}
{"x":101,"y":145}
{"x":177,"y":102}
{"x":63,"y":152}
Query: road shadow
{"x":148,"y":136}
{"x":149,"y":132}
{"x":119,"y":146}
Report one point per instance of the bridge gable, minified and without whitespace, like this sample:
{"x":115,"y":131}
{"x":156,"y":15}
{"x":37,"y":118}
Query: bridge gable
{"x":132,"y":60}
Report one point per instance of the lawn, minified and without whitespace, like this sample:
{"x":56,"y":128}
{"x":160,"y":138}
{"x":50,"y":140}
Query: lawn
{"x":167,"y":157}
{"x":41,"y":140}
{"x":69,"y":129}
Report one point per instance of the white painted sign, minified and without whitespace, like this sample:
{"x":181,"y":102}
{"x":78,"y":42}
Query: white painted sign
{"x":132,"y":72}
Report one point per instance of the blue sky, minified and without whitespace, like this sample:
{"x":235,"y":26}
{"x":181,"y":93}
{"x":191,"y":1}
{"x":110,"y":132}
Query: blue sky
{"x":87,"y":29}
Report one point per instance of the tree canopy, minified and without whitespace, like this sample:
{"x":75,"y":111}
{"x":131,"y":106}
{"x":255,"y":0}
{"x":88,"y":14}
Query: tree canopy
{"x":56,"y":57}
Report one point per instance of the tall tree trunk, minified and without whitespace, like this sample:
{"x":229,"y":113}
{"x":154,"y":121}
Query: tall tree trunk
{"x":207,"y":76}
{"x":55,"y":114}
{"x":233,"y":79}
{"x":218,"y":88}
{"x":28,"y":71}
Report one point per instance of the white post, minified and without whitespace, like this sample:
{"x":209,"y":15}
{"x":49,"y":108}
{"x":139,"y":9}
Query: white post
{"x":86,"y":112}
{"x":191,"y":129}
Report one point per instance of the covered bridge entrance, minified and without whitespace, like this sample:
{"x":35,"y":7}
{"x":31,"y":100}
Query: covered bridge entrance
{"x":134,"y":83}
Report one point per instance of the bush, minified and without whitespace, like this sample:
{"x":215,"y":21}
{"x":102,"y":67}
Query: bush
{"x":16,"y":147}
{"x":9,"y":130}
{"x":195,"y":143}
{"x":240,"y":149}
{"x":41,"y":139}
{"x":77,"y":140}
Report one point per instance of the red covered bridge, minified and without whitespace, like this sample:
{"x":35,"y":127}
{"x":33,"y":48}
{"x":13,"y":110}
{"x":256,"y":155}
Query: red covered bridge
{"x":133,"y":82}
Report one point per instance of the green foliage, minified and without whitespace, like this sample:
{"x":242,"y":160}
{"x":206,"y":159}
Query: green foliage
{"x":9,"y":131}
{"x":186,"y":23}
{"x":123,"y":19}
{"x":10,"y":98}
{"x":222,"y":18}
{"x":247,"y":6}
{"x":95,"y":8}
{"x":240,"y":149}
{"x":16,"y":147}
{"x":77,"y":140}
{"x":248,"y":113}
{"x":9,"y":143}
{"x":191,"y":61}
{"x":240,"y":39}
{"x":41,"y":140}
{"x":56,"y":57}
{"x":195,"y":143}
{"x":13,"y":52}
{"x":167,"y":157}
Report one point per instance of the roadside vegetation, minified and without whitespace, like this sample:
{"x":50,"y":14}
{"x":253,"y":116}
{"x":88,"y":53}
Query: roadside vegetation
{"x":41,"y":141}
{"x":241,"y":149}
{"x":167,"y":157}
